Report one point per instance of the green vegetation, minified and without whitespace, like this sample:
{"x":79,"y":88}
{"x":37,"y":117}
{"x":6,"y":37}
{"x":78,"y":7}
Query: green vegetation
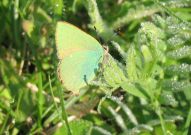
{"x":143,"y":87}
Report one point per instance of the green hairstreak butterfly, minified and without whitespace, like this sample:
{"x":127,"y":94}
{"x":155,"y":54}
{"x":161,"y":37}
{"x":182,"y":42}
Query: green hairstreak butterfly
{"x":79,"y":55}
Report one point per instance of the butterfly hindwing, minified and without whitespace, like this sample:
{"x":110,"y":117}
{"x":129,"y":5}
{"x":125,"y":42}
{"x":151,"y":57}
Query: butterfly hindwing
{"x":78,"y":69}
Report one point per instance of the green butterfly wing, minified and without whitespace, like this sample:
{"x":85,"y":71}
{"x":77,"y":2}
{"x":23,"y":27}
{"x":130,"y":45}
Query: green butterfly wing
{"x":79,"y":54}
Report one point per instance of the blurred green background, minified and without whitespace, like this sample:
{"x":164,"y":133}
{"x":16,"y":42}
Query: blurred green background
{"x":146,"y":88}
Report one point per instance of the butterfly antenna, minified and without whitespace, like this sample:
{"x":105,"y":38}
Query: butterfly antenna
{"x":98,"y":37}
{"x":115,"y":33}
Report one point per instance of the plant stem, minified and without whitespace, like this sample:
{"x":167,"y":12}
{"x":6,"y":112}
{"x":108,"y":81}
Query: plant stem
{"x":40,"y":100}
{"x":188,"y":122}
{"x":64,"y":114}
{"x":159,"y":113}
{"x":55,"y":104}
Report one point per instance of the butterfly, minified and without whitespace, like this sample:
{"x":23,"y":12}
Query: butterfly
{"x":79,"y":56}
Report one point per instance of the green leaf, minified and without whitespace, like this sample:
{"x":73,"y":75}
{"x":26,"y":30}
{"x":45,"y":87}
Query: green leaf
{"x":182,"y":69}
{"x":171,"y":128}
{"x":168,"y":98}
{"x":176,"y":86}
{"x":146,"y":54}
{"x":133,"y":89}
{"x":58,"y":6}
{"x":131,"y":61}
{"x":78,"y":127}
{"x":150,"y":30}
{"x":180,"y":53}
{"x":113,"y":74}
